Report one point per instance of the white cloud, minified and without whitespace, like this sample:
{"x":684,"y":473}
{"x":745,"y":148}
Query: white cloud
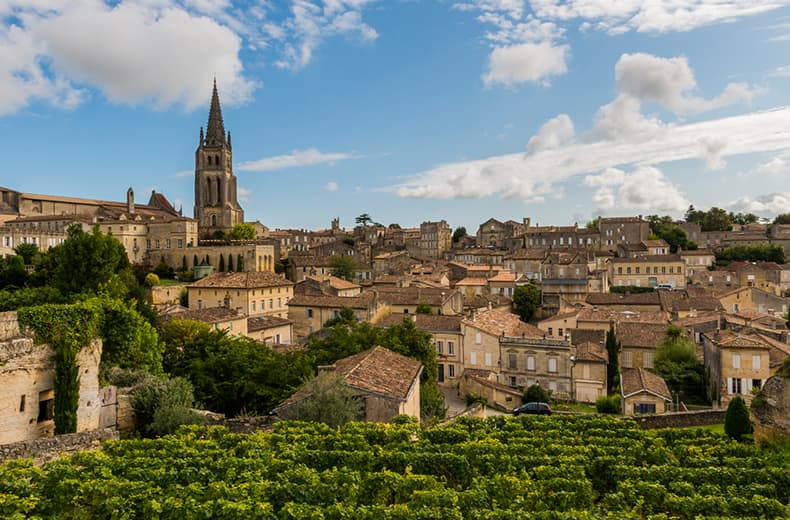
{"x":526,"y":176}
{"x":782,"y":72}
{"x":331,"y":186}
{"x":622,"y":118}
{"x":668,"y":81}
{"x":772,"y":203}
{"x":555,"y":132}
{"x":775,"y":166}
{"x":185,"y":173}
{"x":646,"y":188}
{"x":619,"y":16}
{"x":526,"y":62}
{"x":244,"y":194}
{"x":296,"y":159}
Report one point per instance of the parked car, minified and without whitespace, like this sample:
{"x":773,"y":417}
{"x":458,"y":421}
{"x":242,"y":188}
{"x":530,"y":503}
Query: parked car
{"x":533,"y":408}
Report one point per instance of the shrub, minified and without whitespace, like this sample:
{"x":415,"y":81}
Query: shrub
{"x":162,"y":405}
{"x":736,"y":421}
{"x":475,"y":398}
{"x":151,"y":279}
{"x":608,"y":404}
{"x":535,"y":394}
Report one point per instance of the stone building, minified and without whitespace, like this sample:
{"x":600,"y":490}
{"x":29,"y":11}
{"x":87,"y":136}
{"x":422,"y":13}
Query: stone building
{"x":27,"y":385}
{"x":735,"y":363}
{"x":435,"y":239}
{"x":495,"y":234}
{"x":644,"y":392}
{"x":309,"y":312}
{"x":259,"y":293}
{"x":216,"y":204}
{"x":649,"y":271}
{"x":387,"y":383}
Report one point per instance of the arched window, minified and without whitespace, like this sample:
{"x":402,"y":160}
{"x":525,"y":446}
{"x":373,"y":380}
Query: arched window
{"x":208,"y":159}
{"x":213,"y":220}
{"x":209,"y":198}
{"x":219,"y":192}
{"x":216,"y":160}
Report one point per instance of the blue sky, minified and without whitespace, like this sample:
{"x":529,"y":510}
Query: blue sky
{"x":559,"y":110}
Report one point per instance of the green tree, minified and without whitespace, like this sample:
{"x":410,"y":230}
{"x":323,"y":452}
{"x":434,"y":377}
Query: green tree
{"x":716,"y":219}
{"x":163,"y":270}
{"x":526,"y":299}
{"x":230,"y":263}
{"x":535,"y":394}
{"x":736,"y":421}
{"x":343,"y":266}
{"x":129,"y":340}
{"x":221,"y":263}
{"x":743,"y":218}
{"x":240,"y":263}
{"x":244,"y":231}
{"x":424,"y":308}
{"x":162,"y":405}
{"x":349,"y":241}
{"x":783,"y":218}
{"x":86,"y":261}
{"x":363,"y":219}
{"x":151,"y":279}
{"x":14,"y":274}
{"x":27,"y":251}
{"x":394,"y":225}
{"x":747,"y":253}
{"x":665,"y":228}
{"x":593,"y":224}
{"x":184,"y":266}
{"x":694,"y":215}
{"x":459,"y":234}
{"x":676,"y":362}
{"x":329,"y":400}
{"x":613,"y":348}
{"x":195,"y":261}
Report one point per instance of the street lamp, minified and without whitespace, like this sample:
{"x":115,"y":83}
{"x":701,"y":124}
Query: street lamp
{"x":573,"y":390}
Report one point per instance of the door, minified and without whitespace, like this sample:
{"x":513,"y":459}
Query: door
{"x":441,"y":373}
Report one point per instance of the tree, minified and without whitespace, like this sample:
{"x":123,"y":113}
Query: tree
{"x":221,"y":263}
{"x":459,"y":234}
{"x":613,"y":366}
{"x":676,"y":362}
{"x":783,"y":218}
{"x":535,"y":394}
{"x":14,"y":274}
{"x":593,"y":224}
{"x":743,"y":218}
{"x":716,"y":219}
{"x":364,"y":219}
{"x":184,"y":266}
{"x":349,"y":241}
{"x":424,"y":308}
{"x":195,"y":261}
{"x":243,"y":231}
{"x":394,"y":225}
{"x":84,"y":262}
{"x":240,"y":263}
{"x":736,"y":421}
{"x":151,"y":279}
{"x":343,"y":266}
{"x":665,"y":228}
{"x":759,"y":253}
{"x":329,"y":400}
{"x":163,"y":270}
{"x":526,"y":299}
{"x":27,"y":251}
{"x":694,"y":215}
{"x":230,"y":263}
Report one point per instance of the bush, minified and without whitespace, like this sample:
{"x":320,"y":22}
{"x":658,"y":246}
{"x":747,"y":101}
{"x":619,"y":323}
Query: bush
{"x":476,"y":398}
{"x":151,"y":279}
{"x":162,"y":405}
{"x":736,"y":421}
{"x":608,"y":404}
{"x":535,"y":394}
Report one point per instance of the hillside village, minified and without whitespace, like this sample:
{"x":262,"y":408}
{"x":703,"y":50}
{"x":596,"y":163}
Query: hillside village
{"x":513,"y":305}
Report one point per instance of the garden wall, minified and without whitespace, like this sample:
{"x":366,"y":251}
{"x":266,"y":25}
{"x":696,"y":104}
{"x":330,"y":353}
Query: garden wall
{"x":680,"y":419}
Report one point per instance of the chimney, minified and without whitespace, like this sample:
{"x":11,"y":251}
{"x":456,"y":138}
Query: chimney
{"x":130,"y":201}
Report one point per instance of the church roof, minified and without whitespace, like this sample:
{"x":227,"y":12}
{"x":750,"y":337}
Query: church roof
{"x":215,"y":130}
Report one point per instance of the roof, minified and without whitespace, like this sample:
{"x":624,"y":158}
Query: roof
{"x":738,"y":339}
{"x":581,"y":336}
{"x":466,"y":282}
{"x":335,"y":282}
{"x":503,"y":277}
{"x":640,"y":335}
{"x":636,"y":380}
{"x":647,"y":298}
{"x":413,"y":295}
{"x":527,"y":254}
{"x":210,"y":315}
{"x":591,"y":351}
{"x":656,"y":243}
{"x":696,"y":252}
{"x":245,"y":280}
{"x":256,"y":323}
{"x":377,"y":370}
{"x":611,"y":315}
{"x":427,"y":322}
{"x":363,"y":301}
{"x":765,"y":266}
{"x":653,"y":259}
{"x":561,"y":316}
{"x":496,"y":323}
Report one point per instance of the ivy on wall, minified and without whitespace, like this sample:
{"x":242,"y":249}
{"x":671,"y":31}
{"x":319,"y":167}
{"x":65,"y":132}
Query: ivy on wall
{"x":66,"y":328}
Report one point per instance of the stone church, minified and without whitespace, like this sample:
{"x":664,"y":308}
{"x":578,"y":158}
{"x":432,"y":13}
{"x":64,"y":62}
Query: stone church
{"x":216,"y":204}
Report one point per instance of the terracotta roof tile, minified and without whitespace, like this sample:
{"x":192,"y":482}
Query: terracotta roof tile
{"x":363,"y":301}
{"x":427,"y":322}
{"x":497,"y":322}
{"x":246,"y":280}
{"x":256,"y":323}
{"x":641,"y":335}
{"x":635,"y":380}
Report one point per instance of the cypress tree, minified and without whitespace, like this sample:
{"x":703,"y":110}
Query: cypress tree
{"x":221,"y":263}
{"x":184,"y":263}
{"x":613,"y":366}
{"x":230,"y":263}
{"x":195,"y":261}
{"x":736,"y":421}
{"x":240,"y":263}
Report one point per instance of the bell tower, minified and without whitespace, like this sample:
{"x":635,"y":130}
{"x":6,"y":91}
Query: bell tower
{"x":216,"y":205}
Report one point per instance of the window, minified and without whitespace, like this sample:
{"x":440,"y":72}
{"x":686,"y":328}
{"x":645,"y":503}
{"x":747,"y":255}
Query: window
{"x":22,"y":404}
{"x":637,"y":270}
{"x":440,"y":347}
{"x":451,"y":370}
{"x":512,"y":380}
{"x":512,"y":361}
{"x":757,"y":383}
{"x":488,"y":359}
{"x":450,"y":348}
{"x":736,"y":386}
{"x":553,"y":386}
{"x":644,"y":407}
{"x":200,"y":304}
{"x":309,"y":313}
{"x":551,"y":331}
{"x":619,"y":270}
{"x":180,"y":243}
{"x":148,"y":244}
{"x":756,"y":362}
{"x":552,"y":364}
{"x":167,"y":243}
{"x":530,"y":362}
{"x":46,"y":405}
{"x":628,"y":360}
{"x":473,"y":358}
{"x":627,"y":270}
{"x":478,"y":338}
{"x":253,"y":306}
{"x":559,"y":332}
{"x":648,"y":360}
{"x":736,"y":361}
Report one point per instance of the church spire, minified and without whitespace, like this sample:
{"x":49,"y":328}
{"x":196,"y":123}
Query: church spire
{"x":215,"y":131}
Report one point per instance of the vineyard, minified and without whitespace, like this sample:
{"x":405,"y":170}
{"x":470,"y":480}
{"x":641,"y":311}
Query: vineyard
{"x":498,"y":468}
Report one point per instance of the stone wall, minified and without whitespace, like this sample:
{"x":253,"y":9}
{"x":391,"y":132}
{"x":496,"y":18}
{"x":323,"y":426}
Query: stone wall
{"x":680,"y":419}
{"x":50,"y":448}
{"x":771,"y":409}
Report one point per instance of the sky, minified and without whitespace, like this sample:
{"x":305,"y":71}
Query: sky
{"x":407,"y":110}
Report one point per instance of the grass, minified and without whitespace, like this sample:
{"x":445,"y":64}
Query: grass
{"x":717,"y":428}
{"x":168,"y":282}
{"x":574,"y":407}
